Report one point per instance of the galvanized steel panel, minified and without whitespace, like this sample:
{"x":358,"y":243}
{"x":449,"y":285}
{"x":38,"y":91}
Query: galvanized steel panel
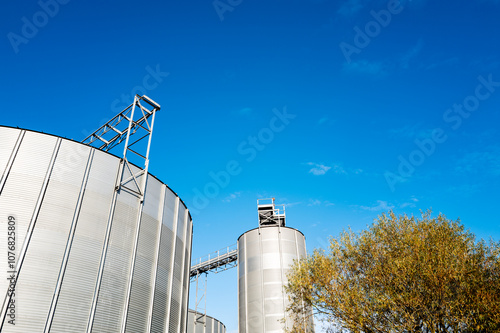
{"x":19,"y":197}
{"x":162,"y":296}
{"x":42,"y":263}
{"x":112,"y":294}
{"x":75,"y":298}
{"x":142,"y":283}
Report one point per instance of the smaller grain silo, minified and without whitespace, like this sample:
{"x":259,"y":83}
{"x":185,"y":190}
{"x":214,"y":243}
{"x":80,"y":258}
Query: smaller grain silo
{"x":200,"y":323}
{"x":265,"y":254}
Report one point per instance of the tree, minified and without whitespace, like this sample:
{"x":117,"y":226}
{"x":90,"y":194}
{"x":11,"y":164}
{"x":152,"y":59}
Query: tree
{"x":402,"y":274}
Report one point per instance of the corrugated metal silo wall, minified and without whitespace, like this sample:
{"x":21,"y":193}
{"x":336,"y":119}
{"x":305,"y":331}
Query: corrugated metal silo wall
{"x":264,"y":257}
{"x":61,"y":195}
{"x":211,"y":325}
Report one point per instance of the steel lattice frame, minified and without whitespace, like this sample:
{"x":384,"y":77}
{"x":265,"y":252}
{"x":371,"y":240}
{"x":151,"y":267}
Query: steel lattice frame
{"x":121,"y":128}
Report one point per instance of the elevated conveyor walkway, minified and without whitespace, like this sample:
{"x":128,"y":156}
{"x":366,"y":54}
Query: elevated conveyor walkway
{"x":215,"y":262}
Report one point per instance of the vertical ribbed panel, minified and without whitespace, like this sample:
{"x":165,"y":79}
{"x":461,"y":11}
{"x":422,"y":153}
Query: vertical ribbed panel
{"x":8,"y":139}
{"x":75,"y":299}
{"x":264,"y":257}
{"x":41,"y":266}
{"x":187,"y":267}
{"x":174,"y":315}
{"x":113,"y":291}
{"x":163,"y":273}
{"x":142,"y":282}
{"x":162,"y":298}
{"x":22,"y":202}
{"x":22,"y":188}
{"x":177,"y":288}
{"x":242,"y":299}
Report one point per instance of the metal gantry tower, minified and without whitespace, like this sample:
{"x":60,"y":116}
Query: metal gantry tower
{"x":136,"y":120}
{"x":214,"y":262}
{"x":133,"y":126}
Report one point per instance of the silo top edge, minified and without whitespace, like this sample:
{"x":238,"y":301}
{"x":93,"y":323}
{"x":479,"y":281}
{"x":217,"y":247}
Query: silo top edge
{"x":193,"y":311}
{"x":265,"y":227}
{"x":150,"y":174}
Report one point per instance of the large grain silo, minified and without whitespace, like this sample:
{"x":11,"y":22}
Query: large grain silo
{"x":265,"y":254}
{"x":200,"y":323}
{"x":99,"y":244}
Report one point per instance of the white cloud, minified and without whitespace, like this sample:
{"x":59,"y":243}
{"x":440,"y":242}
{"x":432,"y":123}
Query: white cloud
{"x":380,"y":206}
{"x":337,"y":168}
{"x":411,"y":203}
{"x":321,"y":169}
{"x":231,"y":197}
{"x":316,"y":202}
{"x":291,"y":204}
{"x":318,"y":169}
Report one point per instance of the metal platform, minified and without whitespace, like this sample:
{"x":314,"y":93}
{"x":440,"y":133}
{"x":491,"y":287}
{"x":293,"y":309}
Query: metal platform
{"x":270,"y":214}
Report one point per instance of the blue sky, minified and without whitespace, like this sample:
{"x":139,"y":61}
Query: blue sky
{"x":339,"y":109}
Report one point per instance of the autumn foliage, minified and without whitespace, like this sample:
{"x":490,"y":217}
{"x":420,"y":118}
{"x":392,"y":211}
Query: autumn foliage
{"x":402,"y":274}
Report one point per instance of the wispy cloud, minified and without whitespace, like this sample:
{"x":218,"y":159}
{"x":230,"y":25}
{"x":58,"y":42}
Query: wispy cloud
{"x":465,"y":190}
{"x":291,"y":204}
{"x":387,"y":66}
{"x":449,"y":62}
{"x":407,"y":58}
{"x":374,"y":68}
{"x":381,"y":205}
{"x":316,"y":202}
{"x":231,"y":197}
{"x":245,"y":111}
{"x":486,"y":64}
{"x":318,"y":169}
{"x":323,"y":120}
{"x":415,"y":131}
{"x":350,"y":8}
{"x":412,"y":203}
{"x":480,"y":162}
{"x":337,"y":168}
